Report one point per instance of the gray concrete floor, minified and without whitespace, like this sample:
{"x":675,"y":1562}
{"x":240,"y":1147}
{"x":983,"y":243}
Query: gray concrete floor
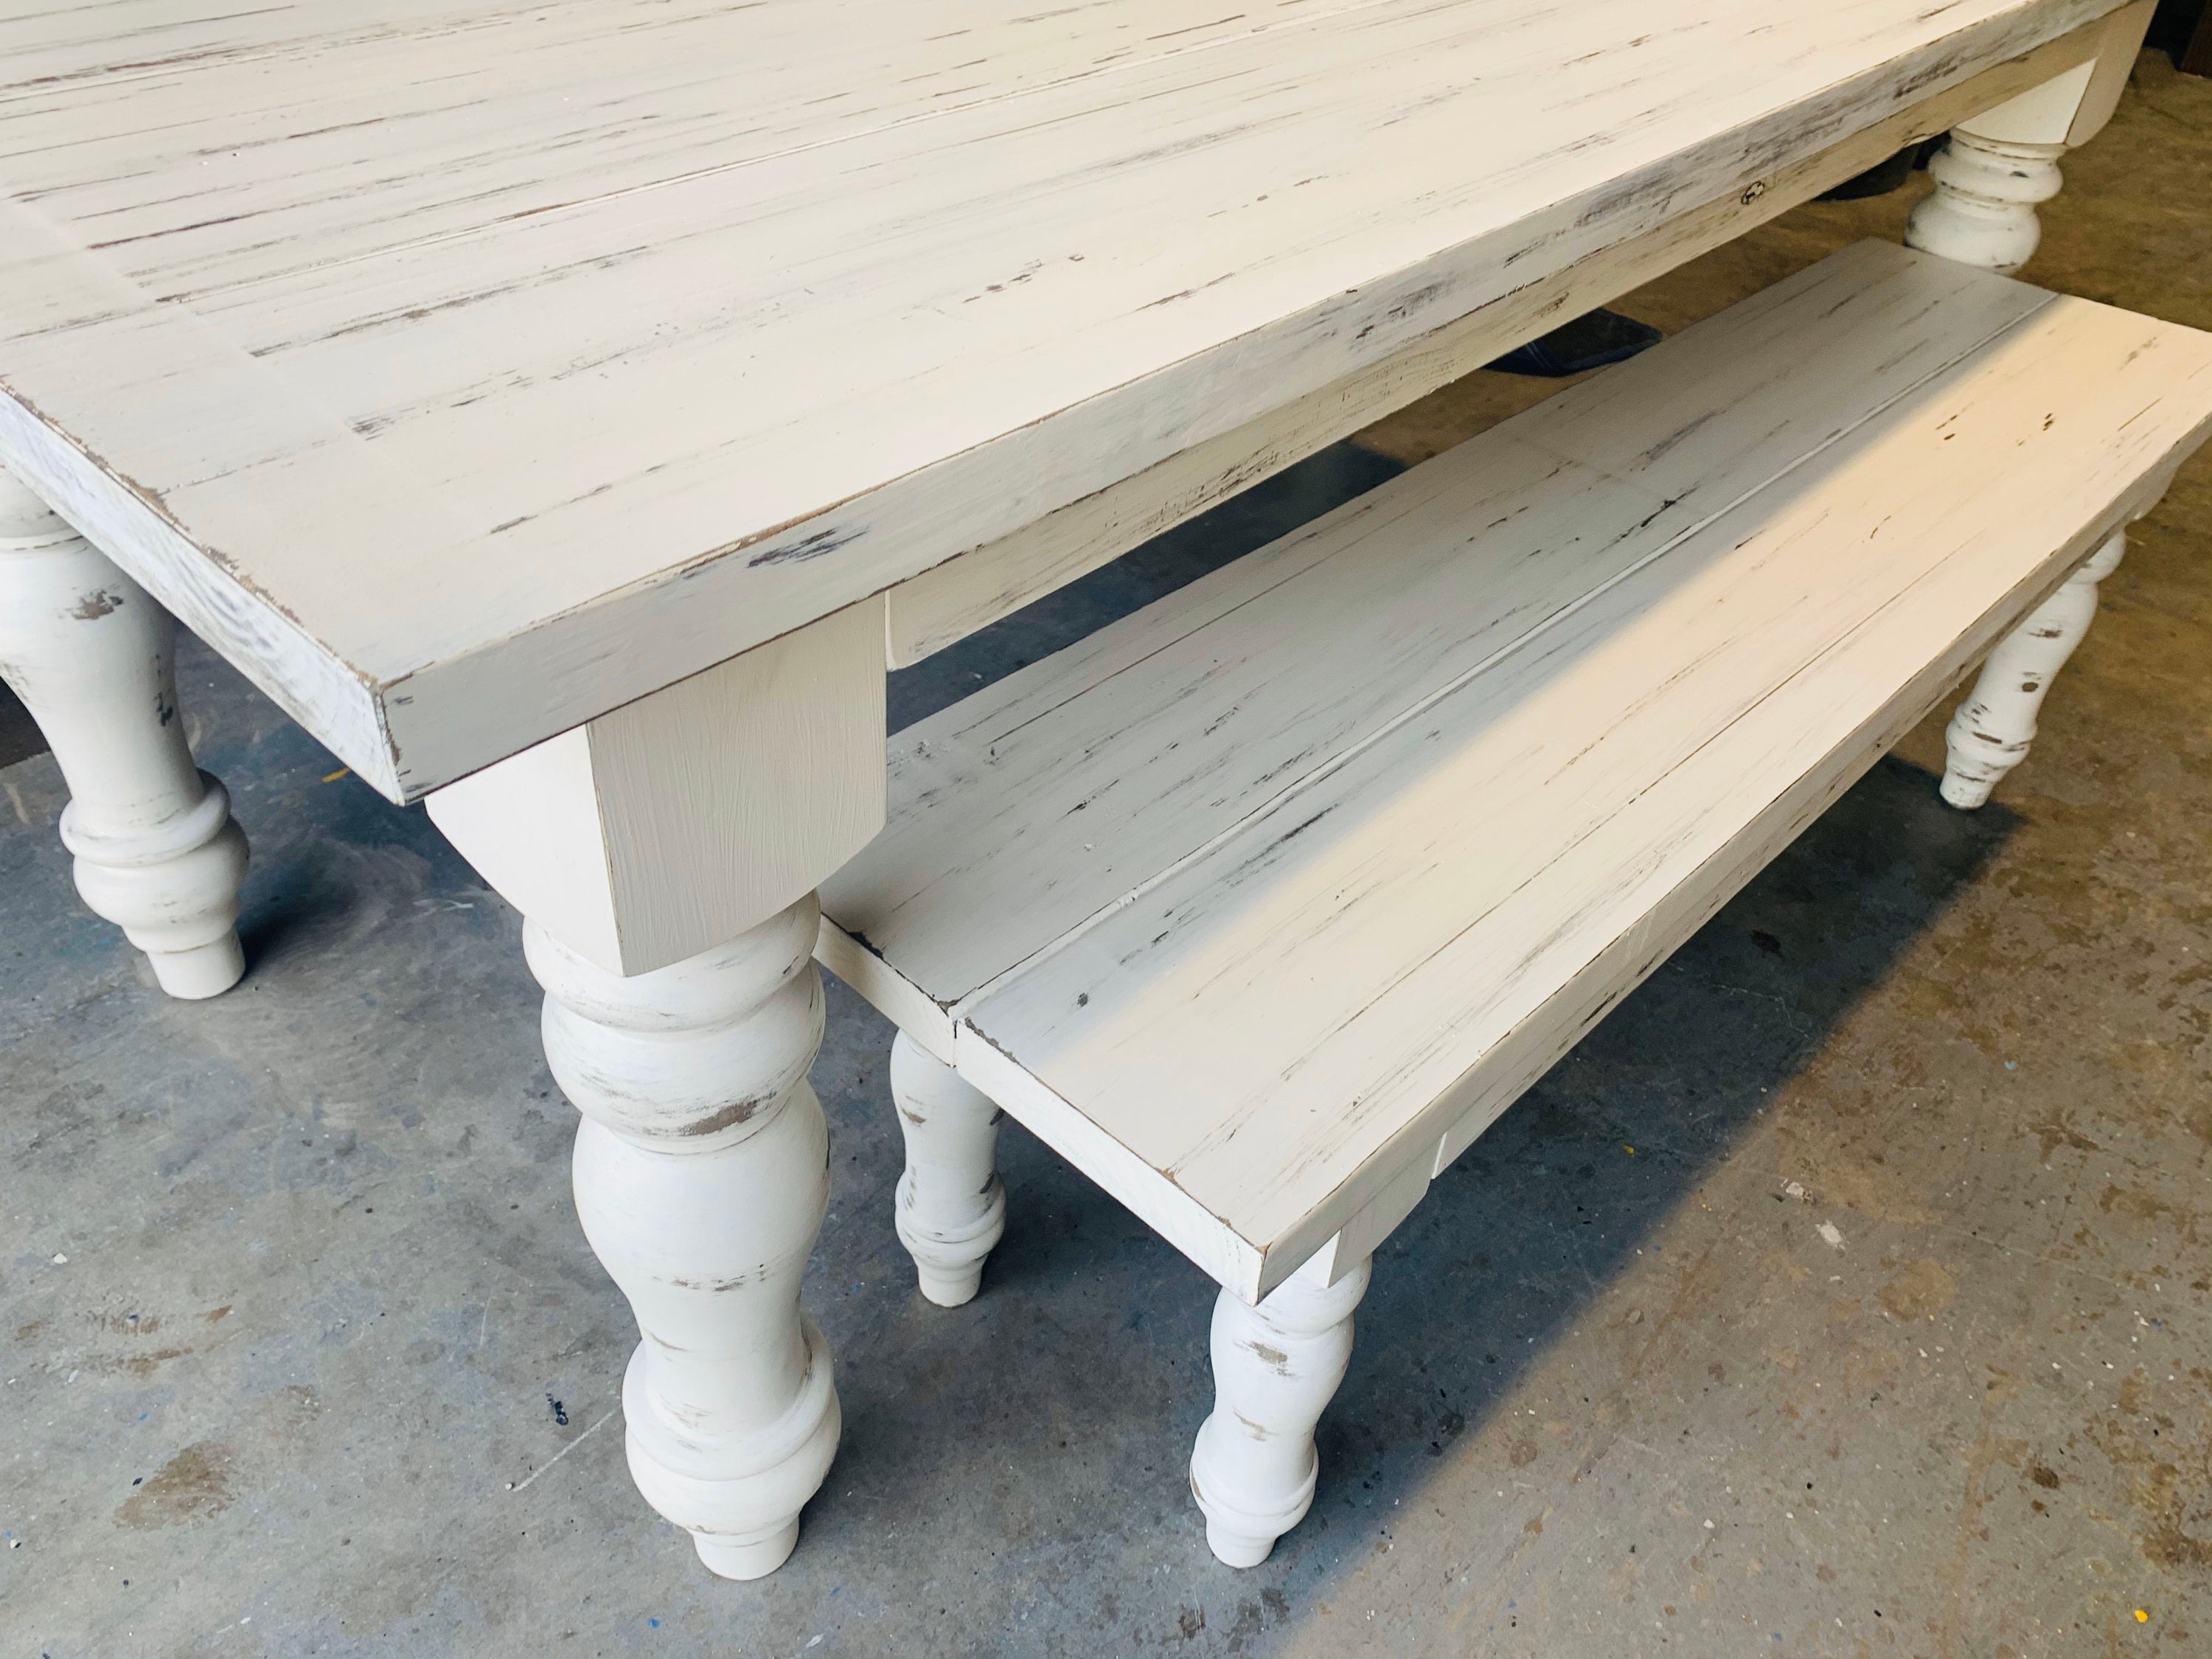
{"x":301,"y":1353}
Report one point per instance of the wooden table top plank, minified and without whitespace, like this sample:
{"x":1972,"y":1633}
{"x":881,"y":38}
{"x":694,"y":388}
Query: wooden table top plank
{"x":669,"y":381}
{"x":525,"y":115}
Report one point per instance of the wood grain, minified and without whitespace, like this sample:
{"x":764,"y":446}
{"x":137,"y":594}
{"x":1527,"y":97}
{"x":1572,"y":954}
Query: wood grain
{"x":1262,"y":904}
{"x":467,"y":369}
{"x":947,"y":603}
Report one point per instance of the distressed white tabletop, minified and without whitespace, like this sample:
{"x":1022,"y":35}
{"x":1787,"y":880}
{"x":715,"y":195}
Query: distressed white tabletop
{"x":465,"y":368}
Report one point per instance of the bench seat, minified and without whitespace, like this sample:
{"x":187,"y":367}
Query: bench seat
{"x":1262,"y":904}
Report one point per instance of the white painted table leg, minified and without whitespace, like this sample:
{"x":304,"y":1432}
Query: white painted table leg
{"x":951,"y":1206}
{"x":701,"y":1174}
{"x":2004,"y":163}
{"x":663,"y":855}
{"x":1990,"y":732}
{"x":91,"y":655}
{"x":1982,"y":210}
{"x":1275,"y":1368}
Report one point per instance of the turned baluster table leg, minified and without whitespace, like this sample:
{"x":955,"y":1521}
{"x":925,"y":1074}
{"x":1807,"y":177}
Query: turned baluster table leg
{"x":951,"y":1208}
{"x":1982,"y":210}
{"x":1275,"y":1368}
{"x":663,"y":858}
{"x":2004,"y":163}
{"x":91,"y":656}
{"x":701,"y":1174}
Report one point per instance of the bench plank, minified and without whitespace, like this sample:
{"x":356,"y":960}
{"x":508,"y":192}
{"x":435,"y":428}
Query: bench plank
{"x":1291,"y":658}
{"x":1759,"y":555}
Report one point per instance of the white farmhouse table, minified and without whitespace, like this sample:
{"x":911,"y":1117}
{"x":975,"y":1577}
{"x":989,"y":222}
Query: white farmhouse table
{"x":568,"y":411}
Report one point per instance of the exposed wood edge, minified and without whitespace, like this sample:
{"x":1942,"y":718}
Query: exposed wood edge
{"x":1152,"y":1197}
{"x":943,"y":605}
{"x":894,"y":996}
{"x":323,"y":693}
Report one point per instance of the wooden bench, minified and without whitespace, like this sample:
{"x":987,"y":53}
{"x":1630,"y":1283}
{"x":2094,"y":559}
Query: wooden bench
{"x":1262,"y":904}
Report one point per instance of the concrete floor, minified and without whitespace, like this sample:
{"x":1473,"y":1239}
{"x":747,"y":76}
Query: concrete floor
{"x":301,"y":1353}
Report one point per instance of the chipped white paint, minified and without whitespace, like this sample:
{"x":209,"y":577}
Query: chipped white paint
{"x":951,"y":1206}
{"x":2002,"y":163}
{"x":474,"y":375}
{"x":950,"y":600}
{"x":701,"y":1167}
{"x":700,"y":816}
{"x":465,"y":371}
{"x":92,"y":657}
{"x":1261,"y":904}
{"x":1275,"y":1367}
{"x":1991,"y":730}
{"x":702,"y":1178}
{"x":1982,"y":212}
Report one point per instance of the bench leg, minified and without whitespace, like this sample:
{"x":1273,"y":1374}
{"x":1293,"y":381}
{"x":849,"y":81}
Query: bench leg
{"x":951,"y":1206}
{"x":702,"y":1176}
{"x":1275,"y":1367}
{"x":92,"y":657}
{"x":1990,"y":732}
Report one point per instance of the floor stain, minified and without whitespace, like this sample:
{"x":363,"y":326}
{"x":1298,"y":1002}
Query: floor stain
{"x":1921,"y":1292}
{"x":192,"y":1485}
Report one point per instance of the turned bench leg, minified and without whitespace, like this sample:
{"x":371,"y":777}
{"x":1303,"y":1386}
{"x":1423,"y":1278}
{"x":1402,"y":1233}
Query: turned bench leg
{"x":1275,"y":1368}
{"x":702,"y":1178}
{"x":1990,"y":733}
{"x":951,"y":1208}
{"x":91,"y":655}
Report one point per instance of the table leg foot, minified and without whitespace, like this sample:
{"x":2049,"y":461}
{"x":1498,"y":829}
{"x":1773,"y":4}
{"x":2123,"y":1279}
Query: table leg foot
{"x":702,"y":1178}
{"x":92,"y":656}
{"x":1275,"y":1368}
{"x":206,"y":970}
{"x":756,"y":1559}
{"x":951,"y":1208}
{"x":1991,"y":730}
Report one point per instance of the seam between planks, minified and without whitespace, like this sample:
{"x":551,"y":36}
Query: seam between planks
{"x":960,"y":1008}
{"x":1092,"y":72}
{"x":1848,"y":640}
{"x":2025,"y":596}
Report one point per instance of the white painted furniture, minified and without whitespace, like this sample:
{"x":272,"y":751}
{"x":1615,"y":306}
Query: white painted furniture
{"x":1261,"y":904}
{"x":574,"y":419}
{"x":2000,"y":164}
{"x":89,"y":653}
